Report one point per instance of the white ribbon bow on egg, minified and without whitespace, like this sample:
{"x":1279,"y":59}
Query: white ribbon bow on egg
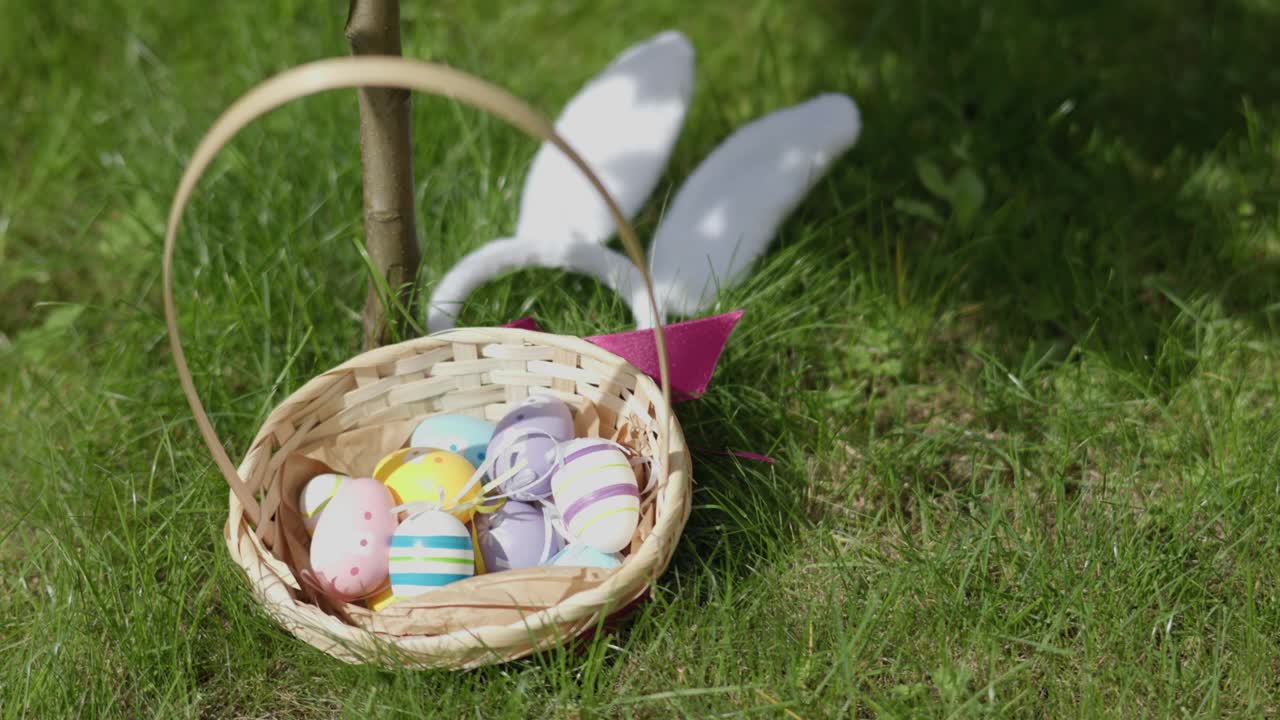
{"x":624,"y":123}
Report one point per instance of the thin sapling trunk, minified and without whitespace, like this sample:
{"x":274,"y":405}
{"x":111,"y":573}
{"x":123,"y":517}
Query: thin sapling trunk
{"x":386,"y":154}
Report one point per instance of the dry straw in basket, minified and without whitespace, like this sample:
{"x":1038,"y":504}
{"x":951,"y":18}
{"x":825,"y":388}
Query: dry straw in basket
{"x":369,"y":405}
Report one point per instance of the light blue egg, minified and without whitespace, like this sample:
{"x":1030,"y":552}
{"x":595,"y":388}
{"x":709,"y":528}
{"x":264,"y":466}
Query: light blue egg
{"x":582,"y":555}
{"x":462,"y":434}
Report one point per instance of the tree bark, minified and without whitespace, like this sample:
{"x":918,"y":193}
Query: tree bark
{"x":386,"y":155}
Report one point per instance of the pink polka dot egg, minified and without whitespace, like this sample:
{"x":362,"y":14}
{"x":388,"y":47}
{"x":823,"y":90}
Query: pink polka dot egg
{"x":350,"y":550}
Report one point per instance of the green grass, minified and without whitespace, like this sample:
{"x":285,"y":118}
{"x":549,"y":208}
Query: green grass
{"x":1027,"y":434}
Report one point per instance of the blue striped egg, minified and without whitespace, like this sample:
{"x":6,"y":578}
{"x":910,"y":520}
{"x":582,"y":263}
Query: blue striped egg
{"x":595,"y":492}
{"x":429,"y":550}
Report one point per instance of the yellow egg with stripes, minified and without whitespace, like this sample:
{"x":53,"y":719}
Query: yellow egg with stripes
{"x":595,"y":492}
{"x":315,"y":497}
{"x":430,"y":550}
{"x":425,"y":474}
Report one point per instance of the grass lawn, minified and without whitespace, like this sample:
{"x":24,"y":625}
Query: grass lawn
{"x":1018,"y":356}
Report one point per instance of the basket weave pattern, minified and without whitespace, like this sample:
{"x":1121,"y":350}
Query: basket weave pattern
{"x":378,"y":395}
{"x":482,"y":372}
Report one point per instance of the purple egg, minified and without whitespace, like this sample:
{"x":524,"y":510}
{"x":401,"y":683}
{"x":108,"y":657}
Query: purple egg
{"x":515,"y":536}
{"x":530,"y":431}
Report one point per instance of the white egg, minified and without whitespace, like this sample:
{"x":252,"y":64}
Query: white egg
{"x":596,"y":494}
{"x":316,"y":495}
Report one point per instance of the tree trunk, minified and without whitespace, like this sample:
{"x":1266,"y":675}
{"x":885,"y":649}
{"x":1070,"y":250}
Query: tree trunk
{"x":386,"y":155}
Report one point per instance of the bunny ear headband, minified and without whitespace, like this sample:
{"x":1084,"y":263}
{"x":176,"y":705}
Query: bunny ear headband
{"x":624,"y":123}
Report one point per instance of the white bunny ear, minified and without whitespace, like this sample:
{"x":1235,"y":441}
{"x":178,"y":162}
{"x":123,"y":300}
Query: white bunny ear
{"x":729,"y":209}
{"x":616,"y":271}
{"x":623,"y":123}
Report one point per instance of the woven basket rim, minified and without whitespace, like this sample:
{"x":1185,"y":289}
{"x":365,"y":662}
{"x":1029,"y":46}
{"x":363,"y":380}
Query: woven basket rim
{"x":641,"y":569}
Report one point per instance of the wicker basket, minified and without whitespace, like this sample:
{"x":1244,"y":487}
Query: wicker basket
{"x":377,"y":395}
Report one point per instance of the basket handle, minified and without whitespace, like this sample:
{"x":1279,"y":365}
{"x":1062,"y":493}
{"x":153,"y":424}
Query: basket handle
{"x":352,"y":72}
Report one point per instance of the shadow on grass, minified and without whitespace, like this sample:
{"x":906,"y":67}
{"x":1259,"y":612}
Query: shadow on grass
{"x":1125,"y":154}
{"x":1126,"y":149}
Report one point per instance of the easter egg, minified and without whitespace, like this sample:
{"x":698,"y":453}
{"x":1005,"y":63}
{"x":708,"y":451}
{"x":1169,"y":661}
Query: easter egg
{"x":517,"y":535}
{"x":595,"y":492}
{"x":316,"y":495}
{"x":530,"y":432}
{"x":381,"y":598}
{"x":392,"y":462}
{"x":436,"y":476}
{"x":350,"y":548}
{"x":429,"y":550}
{"x":462,"y":434}
{"x":581,"y":555}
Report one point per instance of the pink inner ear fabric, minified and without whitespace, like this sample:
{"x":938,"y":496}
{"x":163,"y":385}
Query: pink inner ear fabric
{"x":693,"y":349}
{"x":524,"y":323}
